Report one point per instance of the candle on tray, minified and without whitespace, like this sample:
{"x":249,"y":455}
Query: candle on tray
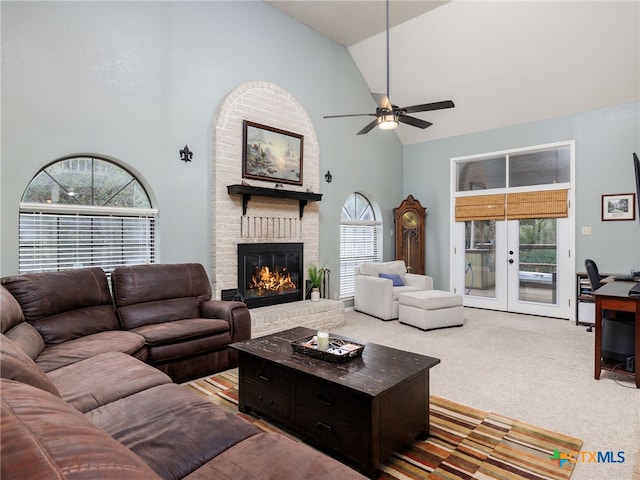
{"x":323,"y":340}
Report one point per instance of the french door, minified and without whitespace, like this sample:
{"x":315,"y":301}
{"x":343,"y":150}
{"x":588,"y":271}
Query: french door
{"x":513,"y":229}
{"x":517,"y":266}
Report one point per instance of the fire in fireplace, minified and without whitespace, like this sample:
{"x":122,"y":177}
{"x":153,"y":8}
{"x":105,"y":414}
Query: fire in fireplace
{"x":270,"y":273}
{"x":264,"y":282}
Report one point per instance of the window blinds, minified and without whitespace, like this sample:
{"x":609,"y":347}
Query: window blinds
{"x":513,"y":206}
{"x":55,"y":241}
{"x":359,"y":242}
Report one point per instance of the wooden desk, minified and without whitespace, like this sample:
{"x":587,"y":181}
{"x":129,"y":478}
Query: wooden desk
{"x":615,"y":296}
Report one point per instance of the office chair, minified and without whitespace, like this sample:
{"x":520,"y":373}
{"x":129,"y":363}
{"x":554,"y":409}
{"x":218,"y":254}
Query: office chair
{"x":594,"y":275}
{"x":594,"y":278}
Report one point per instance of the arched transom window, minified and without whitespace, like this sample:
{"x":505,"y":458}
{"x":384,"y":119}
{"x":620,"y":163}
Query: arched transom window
{"x":85,"y":211}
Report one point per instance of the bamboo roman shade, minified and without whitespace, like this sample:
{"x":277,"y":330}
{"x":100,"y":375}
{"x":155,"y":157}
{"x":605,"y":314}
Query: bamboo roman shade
{"x":544,"y":204}
{"x":513,"y":206}
{"x":480,"y":207}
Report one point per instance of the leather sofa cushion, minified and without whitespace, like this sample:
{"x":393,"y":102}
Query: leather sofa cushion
{"x":13,"y":325}
{"x":17,"y":365}
{"x":43,"y":437}
{"x":272,"y":456}
{"x":159,"y":311}
{"x":187,"y":348}
{"x":77,"y":323}
{"x":65,"y":305}
{"x":146,"y":422}
{"x":148,"y":283}
{"x":27,"y":338}
{"x":62,"y":354}
{"x":105,"y":378}
{"x":181,"y":330}
{"x":10,"y":311}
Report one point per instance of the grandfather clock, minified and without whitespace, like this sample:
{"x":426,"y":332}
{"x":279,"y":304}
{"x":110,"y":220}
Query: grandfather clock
{"x":410,"y":221}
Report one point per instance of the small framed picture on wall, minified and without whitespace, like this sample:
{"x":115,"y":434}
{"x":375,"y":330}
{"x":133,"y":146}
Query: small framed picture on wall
{"x":620,"y":206}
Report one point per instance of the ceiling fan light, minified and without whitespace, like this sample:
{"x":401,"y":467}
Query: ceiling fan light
{"x":388,"y":122}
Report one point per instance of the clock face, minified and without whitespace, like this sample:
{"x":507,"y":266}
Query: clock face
{"x":409,"y":219}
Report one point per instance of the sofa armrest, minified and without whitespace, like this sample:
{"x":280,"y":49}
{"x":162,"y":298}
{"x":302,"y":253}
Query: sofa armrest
{"x":423,"y":282}
{"x":236,"y":313}
{"x":374,"y":296}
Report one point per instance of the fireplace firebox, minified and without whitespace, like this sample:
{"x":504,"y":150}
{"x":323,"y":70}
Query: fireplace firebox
{"x":270,"y":273}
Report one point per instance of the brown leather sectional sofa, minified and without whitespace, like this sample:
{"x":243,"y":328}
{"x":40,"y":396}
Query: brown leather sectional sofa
{"x":87,"y":387}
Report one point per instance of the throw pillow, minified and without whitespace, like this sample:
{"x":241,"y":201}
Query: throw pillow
{"x":394,"y":277}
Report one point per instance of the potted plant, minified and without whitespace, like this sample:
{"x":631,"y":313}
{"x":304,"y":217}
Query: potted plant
{"x":315,"y":275}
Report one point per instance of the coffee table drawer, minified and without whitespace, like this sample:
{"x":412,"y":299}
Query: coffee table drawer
{"x":265,"y":388}
{"x":274,"y":403}
{"x":341,"y":437}
{"x":265,"y":373}
{"x":330,"y":401}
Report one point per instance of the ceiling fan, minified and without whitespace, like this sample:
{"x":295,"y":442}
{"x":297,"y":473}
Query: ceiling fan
{"x":388,"y":115}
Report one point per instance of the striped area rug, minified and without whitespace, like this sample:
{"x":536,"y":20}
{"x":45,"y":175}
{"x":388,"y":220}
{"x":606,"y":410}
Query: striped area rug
{"x":463,"y":443}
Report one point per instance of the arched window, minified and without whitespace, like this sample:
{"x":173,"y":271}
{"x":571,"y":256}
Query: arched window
{"x":85,"y":211}
{"x":360,"y":239}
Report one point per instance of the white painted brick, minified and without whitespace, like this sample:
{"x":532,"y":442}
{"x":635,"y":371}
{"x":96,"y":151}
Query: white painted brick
{"x":266,"y":103}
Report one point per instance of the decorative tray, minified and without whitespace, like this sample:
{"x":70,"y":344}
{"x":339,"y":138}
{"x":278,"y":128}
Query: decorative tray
{"x":339,"y":351}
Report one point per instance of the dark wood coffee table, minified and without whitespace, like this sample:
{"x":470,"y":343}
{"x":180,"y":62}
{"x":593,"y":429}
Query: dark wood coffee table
{"x":360,"y":411}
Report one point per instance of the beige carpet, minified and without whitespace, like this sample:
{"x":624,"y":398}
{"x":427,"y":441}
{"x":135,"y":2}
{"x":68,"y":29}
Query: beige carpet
{"x":538,"y":370}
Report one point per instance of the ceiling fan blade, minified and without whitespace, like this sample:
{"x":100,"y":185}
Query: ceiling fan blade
{"x":369,"y":127}
{"x":351,"y":115}
{"x":426,"y":107}
{"x":382,"y":101}
{"x":414,"y":122}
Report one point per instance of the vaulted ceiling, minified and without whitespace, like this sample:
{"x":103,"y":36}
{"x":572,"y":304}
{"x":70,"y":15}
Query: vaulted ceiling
{"x":501,"y":62}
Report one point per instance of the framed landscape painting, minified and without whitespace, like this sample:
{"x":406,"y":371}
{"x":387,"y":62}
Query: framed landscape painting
{"x":269,"y":153}
{"x":619,"y":207}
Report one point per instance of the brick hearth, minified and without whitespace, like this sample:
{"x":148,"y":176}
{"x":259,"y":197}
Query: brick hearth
{"x":324,"y":314}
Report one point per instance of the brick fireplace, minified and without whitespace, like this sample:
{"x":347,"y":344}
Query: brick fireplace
{"x":265,"y":220}
{"x":241,"y":219}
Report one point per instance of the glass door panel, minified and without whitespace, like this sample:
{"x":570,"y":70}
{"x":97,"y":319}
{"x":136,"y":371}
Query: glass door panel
{"x":538,"y":255}
{"x":537,"y":263}
{"x":482,"y":261}
{"x":480,"y":258}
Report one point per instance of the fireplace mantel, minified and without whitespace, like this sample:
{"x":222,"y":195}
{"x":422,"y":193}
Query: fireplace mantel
{"x":247,"y":191}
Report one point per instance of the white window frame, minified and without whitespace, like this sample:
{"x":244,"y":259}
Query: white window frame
{"x":55,"y":237}
{"x":364,"y":239}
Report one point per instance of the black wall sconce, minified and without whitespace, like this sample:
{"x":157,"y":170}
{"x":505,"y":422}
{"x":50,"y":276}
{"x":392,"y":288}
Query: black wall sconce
{"x":185,"y":154}
{"x":328,"y":177}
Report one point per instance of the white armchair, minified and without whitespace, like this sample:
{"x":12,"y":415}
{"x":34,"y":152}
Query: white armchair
{"x":377,"y":296}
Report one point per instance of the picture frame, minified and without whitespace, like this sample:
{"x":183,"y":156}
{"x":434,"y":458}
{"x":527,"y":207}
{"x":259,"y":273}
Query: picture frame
{"x":620,"y":206}
{"x":271,"y":154}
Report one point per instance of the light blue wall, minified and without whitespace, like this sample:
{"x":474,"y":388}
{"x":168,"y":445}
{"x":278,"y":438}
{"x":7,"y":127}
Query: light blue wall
{"x":137,"y":81}
{"x":605,"y":141}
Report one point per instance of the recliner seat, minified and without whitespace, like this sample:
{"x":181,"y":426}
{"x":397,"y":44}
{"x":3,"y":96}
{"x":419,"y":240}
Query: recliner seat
{"x":186,"y":332}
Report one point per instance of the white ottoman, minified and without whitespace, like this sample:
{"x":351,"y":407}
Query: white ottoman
{"x":429,"y":309}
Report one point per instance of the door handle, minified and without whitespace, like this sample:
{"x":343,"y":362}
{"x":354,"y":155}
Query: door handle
{"x":511,"y":260}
